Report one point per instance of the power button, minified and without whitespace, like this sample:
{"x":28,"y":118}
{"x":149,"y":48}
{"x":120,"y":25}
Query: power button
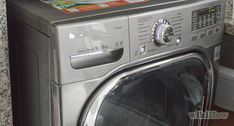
{"x":142,"y":49}
{"x":72,"y":36}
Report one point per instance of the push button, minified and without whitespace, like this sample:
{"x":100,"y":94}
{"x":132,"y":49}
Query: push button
{"x":72,"y":36}
{"x":202,"y":35}
{"x":210,"y":32}
{"x":194,"y":37}
{"x":142,"y":49}
{"x":217,"y":30}
{"x":178,"y":41}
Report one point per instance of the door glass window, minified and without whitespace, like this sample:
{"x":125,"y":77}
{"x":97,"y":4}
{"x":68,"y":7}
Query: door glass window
{"x":158,"y":97}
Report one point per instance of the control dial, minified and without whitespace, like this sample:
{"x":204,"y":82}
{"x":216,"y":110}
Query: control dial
{"x":162,"y":32}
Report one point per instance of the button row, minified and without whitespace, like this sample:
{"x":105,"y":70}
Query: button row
{"x":206,"y":33}
{"x":200,"y":22}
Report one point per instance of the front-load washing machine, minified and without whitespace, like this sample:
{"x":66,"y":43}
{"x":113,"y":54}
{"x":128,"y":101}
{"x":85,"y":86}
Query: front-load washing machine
{"x":145,"y":64}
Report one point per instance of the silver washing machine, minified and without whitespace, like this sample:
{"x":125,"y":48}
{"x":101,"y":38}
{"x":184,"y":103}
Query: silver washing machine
{"x":147,"y":64}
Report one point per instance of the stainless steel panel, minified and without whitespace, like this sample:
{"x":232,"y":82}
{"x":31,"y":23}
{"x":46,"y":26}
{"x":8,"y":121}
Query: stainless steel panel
{"x":73,"y":99}
{"x":98,"y":35}
{"x":86,"y":38}
{"x":180,"y":18}
{"x":55,"y":105}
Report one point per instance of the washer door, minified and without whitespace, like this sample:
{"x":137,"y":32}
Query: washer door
{"x":157,"y":94}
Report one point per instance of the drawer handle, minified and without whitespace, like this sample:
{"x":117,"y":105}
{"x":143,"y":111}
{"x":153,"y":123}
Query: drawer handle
{"x":96,"y":58}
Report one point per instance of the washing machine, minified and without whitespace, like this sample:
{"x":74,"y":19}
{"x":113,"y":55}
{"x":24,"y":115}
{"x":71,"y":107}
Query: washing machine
{"x":145,"y":64}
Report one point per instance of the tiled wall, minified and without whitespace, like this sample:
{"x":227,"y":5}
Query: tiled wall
{"x":229,"y":8}
{"x":229,"y":17}
{"x":5,"y":99}
{"x":229,"y":5}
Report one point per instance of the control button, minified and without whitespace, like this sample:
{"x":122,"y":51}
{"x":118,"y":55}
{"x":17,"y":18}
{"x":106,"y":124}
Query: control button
{"x":204,"y":17}
{"x":202,"y":35}
{"x":199,"y":26}
{"x":209,"y":16}
{"x":210,"y":32}
{"x":75,"y":35}
{"x":200,"y":18}
{"x":218,"y":18}
{"x":208,"y":22}
{"x":217,"y":30}
{"x":194,"y":28}
{"x":142,"y":49}
{"x":204,"y":23}
{"x":194,"y":37}
{"x":72,"y":35}
{"x":80,"y":34}
{"x":178,"y":41}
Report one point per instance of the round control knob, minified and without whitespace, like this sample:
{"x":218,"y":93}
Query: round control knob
{"x":162,"y":32}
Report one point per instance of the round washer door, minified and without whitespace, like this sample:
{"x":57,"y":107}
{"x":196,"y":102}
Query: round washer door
{"x":157,"y":94}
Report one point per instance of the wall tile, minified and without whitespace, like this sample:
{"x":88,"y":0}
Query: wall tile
{"x":229,"y":8}
{"x":229,"y":5}
{"x":5,"y":99}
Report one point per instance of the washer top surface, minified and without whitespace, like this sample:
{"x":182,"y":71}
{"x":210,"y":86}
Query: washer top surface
{"x":41,"y":16}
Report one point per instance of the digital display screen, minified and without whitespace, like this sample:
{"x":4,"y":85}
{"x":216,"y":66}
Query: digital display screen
{"x":207,"y":11}
{"x":212,"y":10}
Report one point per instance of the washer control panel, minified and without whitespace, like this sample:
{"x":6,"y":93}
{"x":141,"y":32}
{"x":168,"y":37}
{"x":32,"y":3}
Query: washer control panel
{"x":206,"y":17}
{"x":205,"y":22}
{"x":176,"y":28}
